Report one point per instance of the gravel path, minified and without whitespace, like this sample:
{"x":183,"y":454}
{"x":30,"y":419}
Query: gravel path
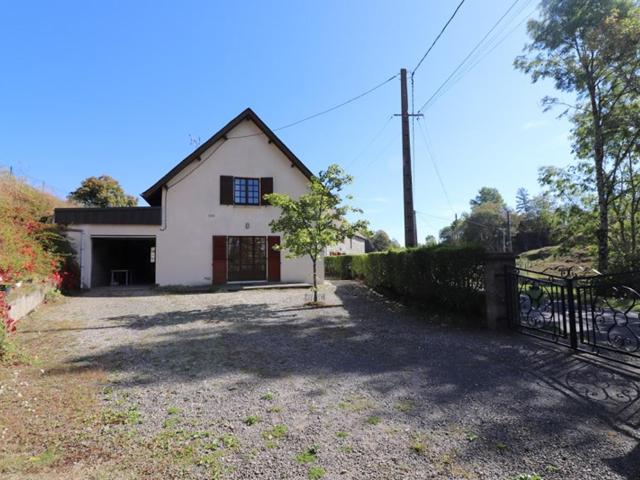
{"x":367,"y":388}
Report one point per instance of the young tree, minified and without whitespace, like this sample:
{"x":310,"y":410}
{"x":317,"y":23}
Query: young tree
{"x":102,"y":191}
{"x":317,"y":219}
{"x":590,"y":48}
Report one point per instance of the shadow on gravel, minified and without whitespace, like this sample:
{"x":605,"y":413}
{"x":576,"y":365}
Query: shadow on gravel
{"x":513,"y":393}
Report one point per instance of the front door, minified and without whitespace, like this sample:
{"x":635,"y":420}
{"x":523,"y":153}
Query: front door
{"x":247,"y":258}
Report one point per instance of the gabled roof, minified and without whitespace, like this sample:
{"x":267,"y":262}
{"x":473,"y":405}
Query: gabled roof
{"x":153,"y":195}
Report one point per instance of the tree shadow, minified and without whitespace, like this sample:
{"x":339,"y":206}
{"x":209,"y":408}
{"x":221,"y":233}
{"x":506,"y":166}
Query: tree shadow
{"x":499,"y":386}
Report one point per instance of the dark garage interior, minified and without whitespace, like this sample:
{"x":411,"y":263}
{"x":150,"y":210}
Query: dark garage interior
{"x":123,"y":261}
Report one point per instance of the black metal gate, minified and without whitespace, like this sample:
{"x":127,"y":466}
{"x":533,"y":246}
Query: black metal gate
{"x":595,"y":314}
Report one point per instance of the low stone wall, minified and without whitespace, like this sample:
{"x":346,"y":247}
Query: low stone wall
{"x":26,"y":299}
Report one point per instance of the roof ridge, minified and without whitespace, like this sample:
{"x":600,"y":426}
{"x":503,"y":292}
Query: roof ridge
{"x":151,"y":195}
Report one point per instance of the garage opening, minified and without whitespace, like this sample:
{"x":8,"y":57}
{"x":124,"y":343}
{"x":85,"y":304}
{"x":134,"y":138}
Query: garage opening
{"x":123,"y":261}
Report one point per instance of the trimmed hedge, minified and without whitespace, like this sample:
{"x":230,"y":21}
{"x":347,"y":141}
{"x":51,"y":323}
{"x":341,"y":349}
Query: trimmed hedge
{"x":441,"y":276}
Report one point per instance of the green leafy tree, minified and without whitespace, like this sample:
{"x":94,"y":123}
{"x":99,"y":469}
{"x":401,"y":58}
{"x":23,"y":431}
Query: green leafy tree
{"x":487,"y":195}
{"x":102,"y":191}
{"x":451,"y":234}
{"x":591,"y":48}
{"x":430,"y":241}
{"x":535,"y":221}
{"x":381,"y":241}
{"x":575,"y":218}
{"x":625,"y":216}
{"x":486,"y":226}
{"x":317,"y":219}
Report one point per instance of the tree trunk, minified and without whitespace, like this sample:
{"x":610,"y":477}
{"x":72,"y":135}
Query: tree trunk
{"x":634,"y":210}
{"x":603,"y":204}
{"x":603,"y":217}
{"x":315,"y":281}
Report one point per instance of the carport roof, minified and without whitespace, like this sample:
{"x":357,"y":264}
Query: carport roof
{"x":109,"y":216}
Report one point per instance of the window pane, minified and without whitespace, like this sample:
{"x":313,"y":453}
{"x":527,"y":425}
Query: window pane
{"x":246,"y":191}
{"x":240,"y":190}
{"x":253,"y":189}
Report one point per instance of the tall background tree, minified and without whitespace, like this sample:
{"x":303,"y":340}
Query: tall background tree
{"x":381,"y":241}
{"x":494,"y":225}
{"x":316,"y":220}
{"x":430,"y":241}
{"x":102,"y":191}
{"x":591,"y":49}
{"x":534,"y":221}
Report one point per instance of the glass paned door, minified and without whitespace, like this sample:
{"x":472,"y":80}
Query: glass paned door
{"x":247,"y":258}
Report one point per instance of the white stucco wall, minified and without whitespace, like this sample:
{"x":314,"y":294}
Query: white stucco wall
{"x":349,"y":246}
{"x":192,"y":213}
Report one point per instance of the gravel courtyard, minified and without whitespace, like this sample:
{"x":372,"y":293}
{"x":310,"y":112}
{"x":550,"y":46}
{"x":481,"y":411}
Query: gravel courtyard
{"x":360,"y":389}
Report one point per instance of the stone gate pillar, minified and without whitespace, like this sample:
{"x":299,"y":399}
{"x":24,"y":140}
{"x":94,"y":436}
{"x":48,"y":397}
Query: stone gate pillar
{"x":496,"y":264}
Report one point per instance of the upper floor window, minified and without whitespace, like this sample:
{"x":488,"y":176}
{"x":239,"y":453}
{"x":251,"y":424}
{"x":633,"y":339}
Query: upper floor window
{"x":246,"y":191}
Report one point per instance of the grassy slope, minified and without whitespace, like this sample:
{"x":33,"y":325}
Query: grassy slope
{"x":26,"y":233}
{"x":554,"y":259}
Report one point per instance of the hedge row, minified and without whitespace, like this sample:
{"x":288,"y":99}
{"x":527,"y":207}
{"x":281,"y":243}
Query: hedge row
{"x":441,"y":276}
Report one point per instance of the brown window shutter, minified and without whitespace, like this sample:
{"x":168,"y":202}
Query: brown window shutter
{"x":226,"y":190}
{"x":273,"y":259}
{"x":266,"y":186}
{"x":219,"y":259}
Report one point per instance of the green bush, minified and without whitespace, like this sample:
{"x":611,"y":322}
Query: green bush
{"x":440,"y":276}
{"x":338,"y":267}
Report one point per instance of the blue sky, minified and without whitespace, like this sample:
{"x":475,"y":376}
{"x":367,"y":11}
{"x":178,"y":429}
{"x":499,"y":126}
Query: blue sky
{"x":120,"y":87}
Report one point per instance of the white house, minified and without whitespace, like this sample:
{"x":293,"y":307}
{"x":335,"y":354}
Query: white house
{"x":206,"y":222}
{"x":355,"y":245}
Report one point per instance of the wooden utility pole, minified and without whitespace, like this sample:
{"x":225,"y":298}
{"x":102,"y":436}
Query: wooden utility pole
{"x":509,"y":242}
{"x":410,"y":234}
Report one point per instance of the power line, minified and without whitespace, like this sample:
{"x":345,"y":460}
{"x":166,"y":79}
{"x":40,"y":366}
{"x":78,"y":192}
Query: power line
{"x":428,"y":223}
{"x":508,"y":34}
{"x":486,"y":50}
{"x":490,"y":46}
{"x":413,"y":136}
{"x":432,"y":216}
{"x":384,"y":149}
{"x":477,"y":46}
{"x":433,"y":44}
{"x":353,"y":99}
{"x":435,"y":165}
{"x":323,"y":112}
{"x":372,"y":141}
{"x":463,"y":220}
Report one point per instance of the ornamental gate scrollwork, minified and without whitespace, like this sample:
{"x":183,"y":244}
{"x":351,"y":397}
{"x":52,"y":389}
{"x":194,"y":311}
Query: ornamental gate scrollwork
{"x":596,"y":314}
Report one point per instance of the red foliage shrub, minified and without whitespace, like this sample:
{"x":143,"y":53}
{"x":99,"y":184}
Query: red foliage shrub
{"x":5,"y":319}
{"x":32,"y":248}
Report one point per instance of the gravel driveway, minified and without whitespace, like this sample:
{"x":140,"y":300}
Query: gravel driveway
{"x":361,"y":389}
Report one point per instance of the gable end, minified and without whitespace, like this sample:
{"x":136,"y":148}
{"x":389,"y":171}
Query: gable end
{"x":153,"y":195}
